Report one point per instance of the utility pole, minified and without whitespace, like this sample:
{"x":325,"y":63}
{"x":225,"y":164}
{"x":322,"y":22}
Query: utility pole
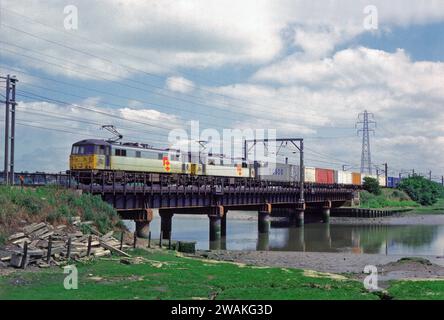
{"x":442,"y":180}
{"x":386,"y":173}
{"x":10,"y":109}
{"x":365,"y":120}
{"x":430,"y":175}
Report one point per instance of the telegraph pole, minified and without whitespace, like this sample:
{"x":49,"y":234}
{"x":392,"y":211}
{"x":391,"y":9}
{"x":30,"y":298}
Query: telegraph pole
{"x":430,"y":175}
{"x":365,"y":119}
{"x":386,"y":173}
{"x":10,"y":108}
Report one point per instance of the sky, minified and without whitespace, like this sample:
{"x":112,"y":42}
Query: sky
{"x":303,"y":68}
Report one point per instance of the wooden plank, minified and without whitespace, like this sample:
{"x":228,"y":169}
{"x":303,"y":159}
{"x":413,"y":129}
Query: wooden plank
{"x":111,"y":248}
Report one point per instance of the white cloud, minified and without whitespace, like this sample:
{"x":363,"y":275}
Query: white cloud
{"x":302,"y":85}
{"x":162,"y":35}
{"x":46,"y":131}
{"x":179,"y":84}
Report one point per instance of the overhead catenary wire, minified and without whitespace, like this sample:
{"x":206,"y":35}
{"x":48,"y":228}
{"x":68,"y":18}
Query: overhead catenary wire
{"x":109,"y":61}
{"x":126,"y":53}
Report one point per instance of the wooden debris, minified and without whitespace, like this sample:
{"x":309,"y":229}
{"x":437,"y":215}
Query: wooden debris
{"x":16,"y":236}
{"x":36,"y":236}
{"x":111,"y":248}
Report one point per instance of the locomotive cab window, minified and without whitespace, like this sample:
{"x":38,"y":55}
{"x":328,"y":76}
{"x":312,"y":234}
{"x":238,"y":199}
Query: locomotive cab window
{"x":83,"y":150}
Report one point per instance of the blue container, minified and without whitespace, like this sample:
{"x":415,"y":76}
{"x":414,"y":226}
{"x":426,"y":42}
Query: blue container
{"x":392,"y":182}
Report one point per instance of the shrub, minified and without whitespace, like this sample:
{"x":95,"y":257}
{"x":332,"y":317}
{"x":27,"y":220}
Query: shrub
{"x":372,"y":185}
{"x":422,"y":190}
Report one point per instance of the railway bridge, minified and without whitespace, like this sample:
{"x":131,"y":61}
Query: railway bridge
{"x":135,"y":195}
{"x":140,"y":193}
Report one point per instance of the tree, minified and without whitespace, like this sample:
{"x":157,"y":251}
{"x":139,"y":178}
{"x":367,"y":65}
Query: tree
{"x":372,"y":185}
{"x":422,"y":190}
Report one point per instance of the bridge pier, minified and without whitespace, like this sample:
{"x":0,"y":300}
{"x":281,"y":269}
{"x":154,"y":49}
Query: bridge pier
{"x":166,"y":224}
{"x":215,"y":224}
{"x":142,"y":228}
{"x":263,"y":242}
{"x":143,"y":221}
{"x":215,"y":231}
{"x":297,"y":217}
{"x":263,"y":224}
{"x":326,"y":211}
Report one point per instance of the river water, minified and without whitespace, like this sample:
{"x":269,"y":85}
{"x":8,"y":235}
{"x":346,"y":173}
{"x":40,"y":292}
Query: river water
{"x":312,"y":237}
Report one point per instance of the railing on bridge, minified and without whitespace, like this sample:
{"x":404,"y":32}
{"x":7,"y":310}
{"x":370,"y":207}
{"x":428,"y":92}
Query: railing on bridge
{"x":40,"y":179}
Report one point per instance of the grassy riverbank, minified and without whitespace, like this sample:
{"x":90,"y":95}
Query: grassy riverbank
{"x":19,"y":207}
{"x":164,"y":275}
{"x":389,"y":198}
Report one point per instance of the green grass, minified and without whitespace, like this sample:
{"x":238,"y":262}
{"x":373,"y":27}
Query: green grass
{"x":54,"y":205}
{"x":167,"y":276}
{"x":417,"y":290}
{"x":388,"y":199}
{"x":437,"y":208}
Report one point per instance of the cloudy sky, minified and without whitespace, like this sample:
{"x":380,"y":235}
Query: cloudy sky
{"x":304,"y":68}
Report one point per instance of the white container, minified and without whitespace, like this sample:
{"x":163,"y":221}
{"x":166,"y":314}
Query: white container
{"x":310,"y":174}
{"x":343,"y":177}
{"x":381,"y":180}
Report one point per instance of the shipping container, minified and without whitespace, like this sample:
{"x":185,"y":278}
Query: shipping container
{"x":310,"y":174}
{"x":381,"y":180}
{"x":392,"y":182}
{"x":279,"y":172}
{"x":356,"y":178}
{"x":343,"y":177}
{"x":326,"y":176}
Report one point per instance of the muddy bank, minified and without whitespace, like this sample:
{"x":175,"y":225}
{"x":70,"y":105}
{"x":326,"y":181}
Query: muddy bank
{"x":399,"y":219}
{"x":390,"y":266}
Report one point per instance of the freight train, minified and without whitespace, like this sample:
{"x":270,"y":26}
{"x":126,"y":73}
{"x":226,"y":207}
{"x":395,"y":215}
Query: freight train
{"x":102,"y":160}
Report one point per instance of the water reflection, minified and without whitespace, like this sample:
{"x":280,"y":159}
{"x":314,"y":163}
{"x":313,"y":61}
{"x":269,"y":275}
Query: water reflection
{"x":313,"y":236}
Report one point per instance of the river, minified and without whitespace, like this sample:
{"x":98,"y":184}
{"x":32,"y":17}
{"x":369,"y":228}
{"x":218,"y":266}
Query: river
{"x":390,"y":239}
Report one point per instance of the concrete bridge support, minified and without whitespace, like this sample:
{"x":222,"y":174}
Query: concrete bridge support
{"x":143,"y":222}
{"x":166,"y":223}
{"x":326,"y":211}
{"x":263,"y":224}
{"x":297,"y":217}
{"x":142,"y":228}
{"x":263,"y":242}
{"x":215,"y":232}
{"x":215,"y":219}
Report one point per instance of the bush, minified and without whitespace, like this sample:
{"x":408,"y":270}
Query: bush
{"x":387,"y":199}
{"x":422,"y":190}
{"x":21,"y":206}
{"x":372,"y":185}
